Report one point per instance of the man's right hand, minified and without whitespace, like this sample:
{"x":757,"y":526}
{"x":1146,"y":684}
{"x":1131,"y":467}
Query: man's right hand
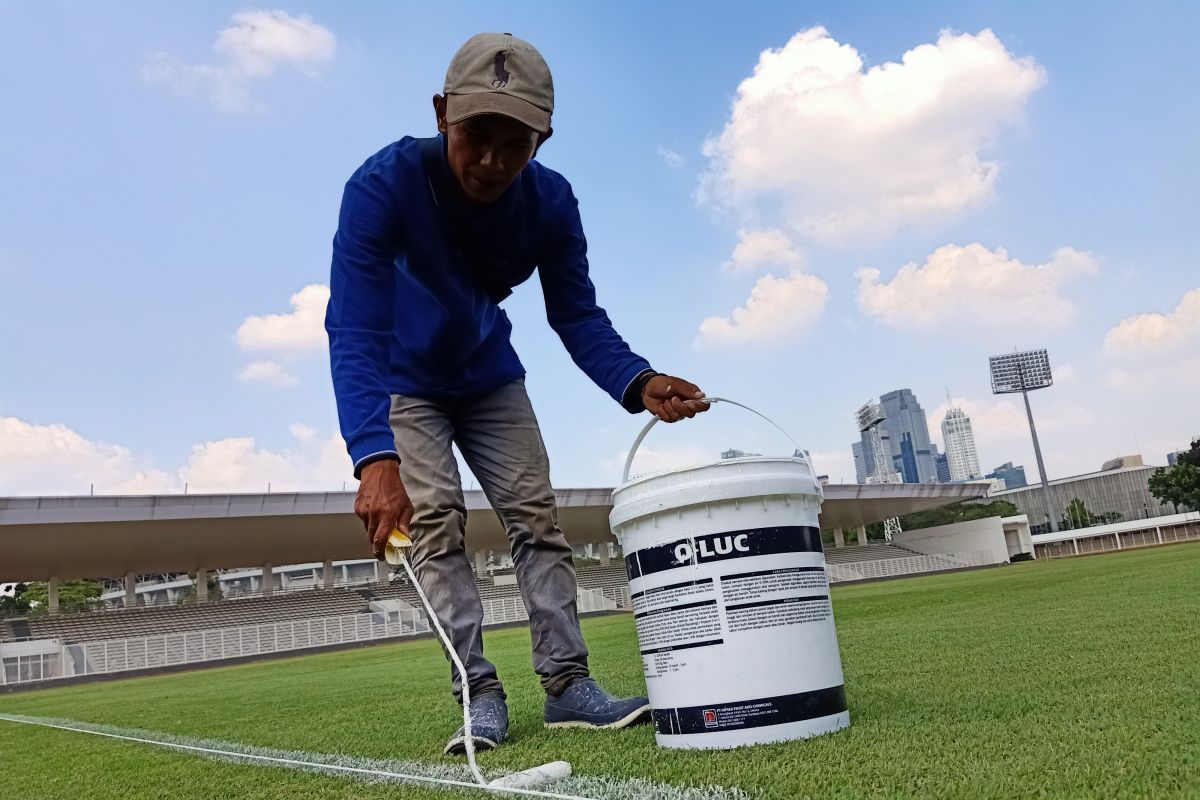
{"x":382,"y":503}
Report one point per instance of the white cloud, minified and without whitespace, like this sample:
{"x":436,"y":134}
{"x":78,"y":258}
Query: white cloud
{"x":238,"y":464}
{"x":760,"y":248}
{"x":778,"y":308}
{"x":54,"y":459}
{"x":302,"y":432}
{"x":269,"y":372}
{"x":670,"y":157}
{"x":973,"y":288}
{"x":844,"y":150}
{"x":258,"y":42}
{"x":1146,"y":334}
{"x":301,"y":331}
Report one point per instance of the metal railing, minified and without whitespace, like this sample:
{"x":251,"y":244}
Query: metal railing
{"x":193,"y":647}
{"x":619,"y":595}
{"x":907,"y":565}
{"x":1119,"y":536}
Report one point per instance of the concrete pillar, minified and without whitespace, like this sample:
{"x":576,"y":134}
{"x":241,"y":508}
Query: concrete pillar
{"x":606,"y":554}
{"x":839,"y":539}
{"x":268,"y":580}
{"x":481,"y":558}
{"x":327,"y":574}
{"x":381,"y":571}
{"x":130,"y":590}
{"x":52,"y":595}
{"x":862,"y":534}
{"x":201,"y":586}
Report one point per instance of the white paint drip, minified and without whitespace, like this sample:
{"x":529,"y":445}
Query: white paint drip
{"x":449,"y":778}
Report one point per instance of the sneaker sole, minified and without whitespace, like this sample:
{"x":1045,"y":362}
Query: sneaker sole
{"x":629,"y":719}
{"x":458,"y":745}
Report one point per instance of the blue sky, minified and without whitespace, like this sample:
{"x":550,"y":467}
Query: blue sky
{"x":167,"y":176}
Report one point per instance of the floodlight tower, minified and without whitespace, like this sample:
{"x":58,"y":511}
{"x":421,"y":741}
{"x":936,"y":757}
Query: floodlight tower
{"x":1025,"y":371}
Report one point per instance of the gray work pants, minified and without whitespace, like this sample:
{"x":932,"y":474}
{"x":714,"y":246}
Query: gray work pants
{"x":499,"y":439}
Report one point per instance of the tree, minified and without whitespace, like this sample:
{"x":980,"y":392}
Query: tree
{"x":1076,"y":516}
{"x":17,"y":603}
{"x":72,"y":595}
{"x":1179,"y":485}
{"x":947,"y":515}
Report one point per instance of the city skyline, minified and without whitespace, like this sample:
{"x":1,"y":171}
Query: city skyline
{"x":906,"y":191}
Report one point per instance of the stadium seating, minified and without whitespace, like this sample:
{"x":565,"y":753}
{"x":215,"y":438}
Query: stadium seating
{"x":593,"y":575}
{"x":281,"y":607}
{"x":866,"y":552}
{"x":134,"y":622}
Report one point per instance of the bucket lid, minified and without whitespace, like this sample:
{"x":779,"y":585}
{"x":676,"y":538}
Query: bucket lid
{"x":727,"y":479}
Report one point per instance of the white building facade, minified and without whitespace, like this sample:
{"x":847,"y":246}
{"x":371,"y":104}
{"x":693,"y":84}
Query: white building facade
{"x":960,"y":446}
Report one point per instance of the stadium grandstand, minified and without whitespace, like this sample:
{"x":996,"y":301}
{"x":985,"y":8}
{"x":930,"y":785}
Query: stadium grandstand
{"x":179,"y":591}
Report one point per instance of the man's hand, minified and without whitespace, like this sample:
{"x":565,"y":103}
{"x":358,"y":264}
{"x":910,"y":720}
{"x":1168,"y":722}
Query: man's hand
{"x":382,"y":503}
{"x":671,"y":399}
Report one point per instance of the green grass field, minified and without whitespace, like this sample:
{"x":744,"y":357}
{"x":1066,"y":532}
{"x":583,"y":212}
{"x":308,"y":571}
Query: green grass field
{"x":1071,"y":678}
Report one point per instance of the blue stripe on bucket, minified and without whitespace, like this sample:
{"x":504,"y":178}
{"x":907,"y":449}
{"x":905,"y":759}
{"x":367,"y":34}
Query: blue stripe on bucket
{"x":688,"y":646}
{"x":681,"y":607}
{"x":782,"y":571}
{"x":758,"y":713}
{"x":747,"y":543}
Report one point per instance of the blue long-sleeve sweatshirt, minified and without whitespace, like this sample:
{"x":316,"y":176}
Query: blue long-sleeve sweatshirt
{"x":417,"y":277}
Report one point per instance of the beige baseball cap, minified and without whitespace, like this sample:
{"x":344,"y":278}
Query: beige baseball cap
{"x":497,"y":73}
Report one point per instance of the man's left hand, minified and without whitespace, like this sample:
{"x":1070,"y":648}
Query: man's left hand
{"x":671,"y":399}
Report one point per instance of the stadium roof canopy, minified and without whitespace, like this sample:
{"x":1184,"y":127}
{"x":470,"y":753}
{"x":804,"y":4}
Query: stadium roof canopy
{"x":109,"y":536}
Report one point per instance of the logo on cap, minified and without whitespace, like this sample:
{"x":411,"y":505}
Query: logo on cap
{"x":501,"y":73}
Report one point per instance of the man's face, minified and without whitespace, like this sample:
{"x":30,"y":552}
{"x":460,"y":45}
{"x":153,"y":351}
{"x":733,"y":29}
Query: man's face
{"x":486,"y":153}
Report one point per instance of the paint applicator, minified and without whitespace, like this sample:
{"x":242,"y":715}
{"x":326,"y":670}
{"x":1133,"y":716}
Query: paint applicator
{"x":395,"y":551}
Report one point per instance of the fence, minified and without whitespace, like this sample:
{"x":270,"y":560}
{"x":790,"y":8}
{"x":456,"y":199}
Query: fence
{"x":57,"y":660}
{"x":907,"y":565}
{"x":619,"y":595}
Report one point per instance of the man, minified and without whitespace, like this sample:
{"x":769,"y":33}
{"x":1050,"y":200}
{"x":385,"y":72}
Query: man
{"x":433,"y":234}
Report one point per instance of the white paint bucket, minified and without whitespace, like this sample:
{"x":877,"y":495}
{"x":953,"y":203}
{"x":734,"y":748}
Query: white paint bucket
{"x":731,"y":600}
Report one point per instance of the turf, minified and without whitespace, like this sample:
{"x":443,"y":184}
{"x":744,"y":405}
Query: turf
{"x":1068,"y":678}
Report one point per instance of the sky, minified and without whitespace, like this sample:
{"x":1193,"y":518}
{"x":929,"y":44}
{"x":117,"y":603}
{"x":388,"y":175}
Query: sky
{"x":798,"y":206}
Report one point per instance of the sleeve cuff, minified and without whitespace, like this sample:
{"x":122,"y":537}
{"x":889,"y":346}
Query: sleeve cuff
{"x":631,"y":398}
{"x":382,"y":455}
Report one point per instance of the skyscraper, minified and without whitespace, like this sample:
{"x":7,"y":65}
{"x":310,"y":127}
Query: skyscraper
{"x":908,"y":432}
{"x":1013,"y":477}
{"x":860,"y":463}
{"x":960,"y":446}
{"x":942,"y":465}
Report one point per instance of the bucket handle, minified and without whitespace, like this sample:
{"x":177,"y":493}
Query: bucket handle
{"x":710,"y":400}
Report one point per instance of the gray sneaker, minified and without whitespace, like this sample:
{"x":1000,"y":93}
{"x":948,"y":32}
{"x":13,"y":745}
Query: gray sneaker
{"x":585,"y":705}
{"x":489,"y":725}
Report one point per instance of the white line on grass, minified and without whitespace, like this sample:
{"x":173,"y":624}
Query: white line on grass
{"x":388,"y":771}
